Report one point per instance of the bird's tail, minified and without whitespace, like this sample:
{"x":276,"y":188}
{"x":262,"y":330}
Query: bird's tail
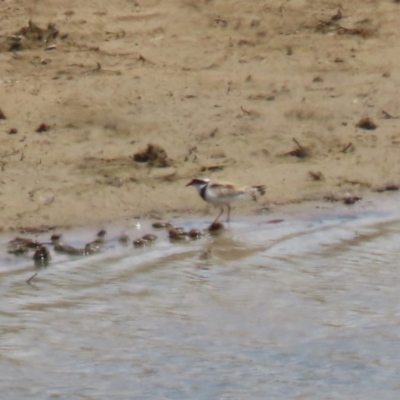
{"x":261,"y":189}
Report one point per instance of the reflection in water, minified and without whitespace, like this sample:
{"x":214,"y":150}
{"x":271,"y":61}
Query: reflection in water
{"x":305,"y":308}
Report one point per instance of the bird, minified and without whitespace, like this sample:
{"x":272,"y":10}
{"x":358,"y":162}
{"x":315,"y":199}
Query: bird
{"x":149,"y":237}
{"x":61,"y":247}
{"x":124,"y":238}
{"x":100,"y":237}
{"x":21,"y":245}
{"x":96,"y":245}
{"x":140,"y":242}
{"x":41,"y":259}
{"x":223,"y":193}
{"x":91,"y":248}
{"x":28,"y":242}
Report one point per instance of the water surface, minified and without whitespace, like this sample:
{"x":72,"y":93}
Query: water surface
{"x":307,"y":308}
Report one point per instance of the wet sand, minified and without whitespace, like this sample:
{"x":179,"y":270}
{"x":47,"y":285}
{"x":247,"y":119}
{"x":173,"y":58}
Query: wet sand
{"x":223,"y":88}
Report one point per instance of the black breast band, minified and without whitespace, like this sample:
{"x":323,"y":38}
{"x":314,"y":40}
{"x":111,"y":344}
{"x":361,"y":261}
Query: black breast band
{"x":203,"y":192}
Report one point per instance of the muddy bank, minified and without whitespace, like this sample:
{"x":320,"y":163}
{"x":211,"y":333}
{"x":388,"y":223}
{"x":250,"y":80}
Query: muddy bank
{"x":297,"y":97}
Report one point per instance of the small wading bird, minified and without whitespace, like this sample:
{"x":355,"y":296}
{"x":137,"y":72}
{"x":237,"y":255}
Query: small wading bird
{"x":41,"y":259}
{"x":223,"y":193}
{"x":61,"y":247}
{"x":21,"y":245}
{"x":96,"y":245}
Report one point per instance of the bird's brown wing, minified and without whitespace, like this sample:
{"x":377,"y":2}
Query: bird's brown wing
{"x":226,"y":189}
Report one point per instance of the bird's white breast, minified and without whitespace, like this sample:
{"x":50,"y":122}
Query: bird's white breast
{"x":216,"y":197}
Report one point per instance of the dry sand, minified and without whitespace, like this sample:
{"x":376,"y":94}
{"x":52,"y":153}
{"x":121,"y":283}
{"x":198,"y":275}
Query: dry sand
{"x":219,"y":84}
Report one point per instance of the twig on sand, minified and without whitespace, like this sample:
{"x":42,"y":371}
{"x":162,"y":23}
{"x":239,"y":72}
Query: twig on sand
{"x":300,"y":152}
{"x":348,"y":147}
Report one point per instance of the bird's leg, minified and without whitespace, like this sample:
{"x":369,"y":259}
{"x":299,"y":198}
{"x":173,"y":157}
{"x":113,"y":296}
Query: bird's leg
{"x":30,"y":279}
{"x":216,"y":219}
{"x":229,"y":213}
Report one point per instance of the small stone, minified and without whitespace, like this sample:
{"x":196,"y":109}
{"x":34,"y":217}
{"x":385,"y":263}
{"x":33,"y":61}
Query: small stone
{"x":215,"y":226}
{"x":195,"y":234}
{"x":351,"y":199}
{"x":392,"y":187}
{"x":160,"y":225}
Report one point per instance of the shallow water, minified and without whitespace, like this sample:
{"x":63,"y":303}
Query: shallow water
{"x":307,"y":308}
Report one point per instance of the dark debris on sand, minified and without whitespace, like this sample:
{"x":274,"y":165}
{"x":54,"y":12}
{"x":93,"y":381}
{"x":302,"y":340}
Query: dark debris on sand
{"x":367,"y":123}
{"x":42,"y":128}
{"x":30,"y":37}
{"x":154,"y":155}
{"x":300,"y":151}
{"x":351,"y":199}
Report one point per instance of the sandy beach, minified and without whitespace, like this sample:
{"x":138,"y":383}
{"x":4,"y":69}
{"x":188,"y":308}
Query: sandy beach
{"x":303,"y":98}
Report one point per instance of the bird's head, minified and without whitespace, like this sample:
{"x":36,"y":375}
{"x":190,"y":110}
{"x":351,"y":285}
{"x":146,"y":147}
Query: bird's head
{"x":198,"y":183}
{"x":102,"y":234}
{"x":55,"y":238}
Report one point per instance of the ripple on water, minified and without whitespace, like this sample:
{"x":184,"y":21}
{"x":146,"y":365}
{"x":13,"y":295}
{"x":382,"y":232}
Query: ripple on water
{"x":305,"y":308}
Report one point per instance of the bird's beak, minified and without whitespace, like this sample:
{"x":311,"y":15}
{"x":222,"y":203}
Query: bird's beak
{"x":189,"y":184}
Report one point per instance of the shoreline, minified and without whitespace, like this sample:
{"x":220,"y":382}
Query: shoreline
{"x":311,"y":207}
